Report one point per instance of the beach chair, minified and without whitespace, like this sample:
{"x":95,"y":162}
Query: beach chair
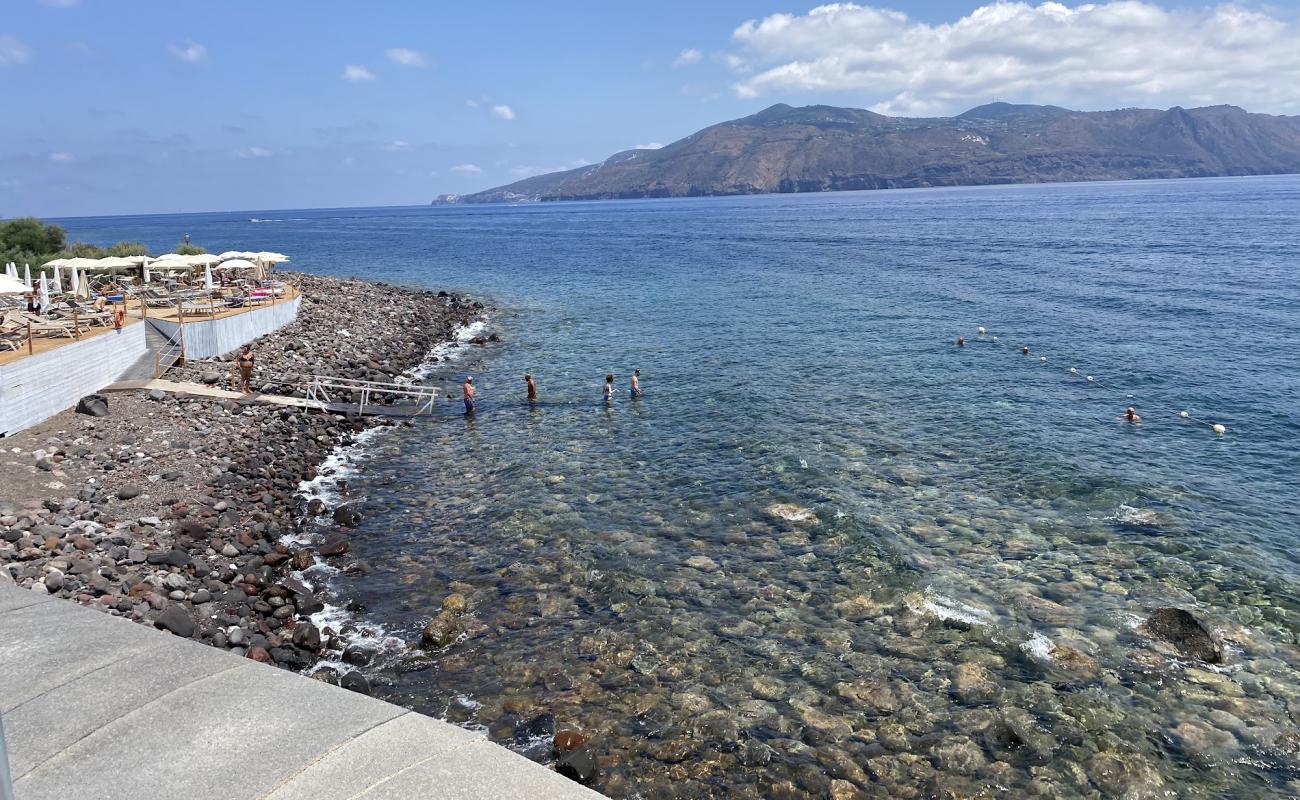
{"x":13,"y":339}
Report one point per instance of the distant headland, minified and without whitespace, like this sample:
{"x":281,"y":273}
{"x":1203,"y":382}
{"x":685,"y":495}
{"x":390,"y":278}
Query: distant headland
{"x":824,"y":148}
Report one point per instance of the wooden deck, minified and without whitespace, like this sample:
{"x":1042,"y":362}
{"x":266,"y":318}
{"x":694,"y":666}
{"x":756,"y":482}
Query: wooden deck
{"x":44,"y":344}
{"x":135,"y":311}
{"x":204,"y":310}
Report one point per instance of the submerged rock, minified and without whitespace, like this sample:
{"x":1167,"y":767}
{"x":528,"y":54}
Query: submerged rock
{"x":793,"y":513}
{"x":1185,"y":632}
{"x":972,"y":684}
{"x":442,"y":630}
{"x":578,"y":765}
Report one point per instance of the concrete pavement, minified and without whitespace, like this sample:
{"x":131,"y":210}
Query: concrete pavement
{"x":96,"y":706}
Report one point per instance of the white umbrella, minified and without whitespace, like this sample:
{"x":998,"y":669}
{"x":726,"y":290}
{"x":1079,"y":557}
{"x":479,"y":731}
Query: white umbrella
{"x":10,"y":285}
{"x":237,"y":263}
{"x":113,"y":262}
{"x":85,"y":288}
{"x":78,"y":263}
{"x":229,"y":254}
{"x":58,"y":262}
{"x":27,"y":276}
{"x":58,"y":281}
{"x":76,"y":284}
{"x":207,"y":276}
{"x":11,"y":270}
{"x":144,"y":269}
{"x":271,"y":258}
{"x":45,"y":295}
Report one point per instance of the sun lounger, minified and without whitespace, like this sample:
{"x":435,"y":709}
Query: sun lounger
{"x":40,"y":326}
{"x":197,"y":308}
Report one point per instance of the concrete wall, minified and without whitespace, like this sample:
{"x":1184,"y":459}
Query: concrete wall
{"x":205,"y":338}
{"x":39,"y":386}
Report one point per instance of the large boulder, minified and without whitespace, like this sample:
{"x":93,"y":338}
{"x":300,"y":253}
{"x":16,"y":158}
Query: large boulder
{"x":94,"y":405}
{"x":1186,"y":633}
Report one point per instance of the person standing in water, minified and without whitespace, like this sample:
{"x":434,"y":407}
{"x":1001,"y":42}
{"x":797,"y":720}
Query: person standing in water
{"x":1131,"y":415}
{"x":609,"y":388}
{"x":467,"y":389}
{"x":636,"y":383}
{"x":532,"y":387}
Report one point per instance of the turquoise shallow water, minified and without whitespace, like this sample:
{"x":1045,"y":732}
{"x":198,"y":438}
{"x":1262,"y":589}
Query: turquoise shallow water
{"x":633,"y":570}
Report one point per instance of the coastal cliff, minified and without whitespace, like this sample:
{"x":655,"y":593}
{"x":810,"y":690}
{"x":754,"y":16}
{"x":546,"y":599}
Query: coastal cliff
{"x":824,"y":148}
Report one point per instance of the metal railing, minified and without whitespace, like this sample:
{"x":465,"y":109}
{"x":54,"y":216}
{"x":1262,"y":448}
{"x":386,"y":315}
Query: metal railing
{"x":322,"y":389}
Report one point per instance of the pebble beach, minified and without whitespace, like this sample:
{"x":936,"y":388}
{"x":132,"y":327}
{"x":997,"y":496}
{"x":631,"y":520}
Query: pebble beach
{"x":179,"y":512}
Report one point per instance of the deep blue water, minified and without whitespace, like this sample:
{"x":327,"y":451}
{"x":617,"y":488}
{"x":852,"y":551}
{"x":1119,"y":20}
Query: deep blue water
{"x":800,"y":350}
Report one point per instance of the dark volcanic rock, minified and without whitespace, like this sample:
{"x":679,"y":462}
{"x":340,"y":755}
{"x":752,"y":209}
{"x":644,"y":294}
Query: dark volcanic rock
{"x":1185,"y":632}
{"x":174,"y":618}
{"x":356,"y":682}
{"x":336,"y":546}
{"x":578,"y":765}
{"x":94,"y":405}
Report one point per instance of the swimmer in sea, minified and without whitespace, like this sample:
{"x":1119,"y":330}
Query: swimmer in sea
{"x":1024,"y":351}
{"x":532,"y":387}
{"x":609,"y":388}
{"x":468,"y":391}
{"x":1131,"y":416}
{"x":961,"y":341}
{"x":636,"y":383}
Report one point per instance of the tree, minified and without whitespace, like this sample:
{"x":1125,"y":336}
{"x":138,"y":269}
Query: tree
{"x":28,"y":239}
{"x":187,"y":249}
{"x":126,"y":249}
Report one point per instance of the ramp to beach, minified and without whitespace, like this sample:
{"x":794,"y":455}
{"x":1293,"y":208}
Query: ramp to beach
{"x":319,"y":397}
{"x":95,"y":706}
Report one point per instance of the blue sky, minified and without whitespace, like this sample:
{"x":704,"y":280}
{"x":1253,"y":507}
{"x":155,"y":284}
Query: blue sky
{"x":137,"y":106}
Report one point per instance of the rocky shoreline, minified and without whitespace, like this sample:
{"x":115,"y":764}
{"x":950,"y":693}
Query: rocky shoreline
{"x":178,"y":512}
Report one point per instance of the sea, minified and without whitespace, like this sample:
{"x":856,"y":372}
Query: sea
{"x":829,"y":551}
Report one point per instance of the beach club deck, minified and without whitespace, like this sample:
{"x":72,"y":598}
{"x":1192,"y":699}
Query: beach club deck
{"x":54,"y":361}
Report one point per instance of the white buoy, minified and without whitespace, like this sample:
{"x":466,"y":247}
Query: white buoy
{"x":1074,"y":371}
{"x":1043,"y":359}
{"x":1183,"y":414}
{"x":1219,"y":429}
{"x":980,"y":329}
{"x":995,"y":338}
{"x":1089,"y":379}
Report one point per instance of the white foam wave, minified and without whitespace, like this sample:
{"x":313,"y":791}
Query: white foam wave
{"x":343,"y":462}
{"x":950,"y":610}
{"x":340,"y":464}
{"x":1039,"y":648}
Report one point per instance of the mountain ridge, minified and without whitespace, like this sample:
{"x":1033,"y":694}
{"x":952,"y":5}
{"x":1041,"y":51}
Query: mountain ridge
{"x":816,"y":148}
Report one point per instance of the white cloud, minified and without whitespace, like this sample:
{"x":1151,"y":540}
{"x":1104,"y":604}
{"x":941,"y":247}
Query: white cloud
{"x":503,"y":112}
{"x":357,"y":73}
{"x":62,"y":157}
{"x":472,"y":103}
{"x":650,"y":146}
{"x":467,"y":169}
{"x":254,"y":152}
{"x":688,"y":56}
{"x":1103,"y":55}
{"x":13,"y":51}
{"x":397,"y":146}
{"x":191,"y":53}
{"x":406,"y":57}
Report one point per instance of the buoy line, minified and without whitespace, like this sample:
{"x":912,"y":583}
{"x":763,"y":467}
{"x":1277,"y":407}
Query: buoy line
{"x":981,"y":335}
